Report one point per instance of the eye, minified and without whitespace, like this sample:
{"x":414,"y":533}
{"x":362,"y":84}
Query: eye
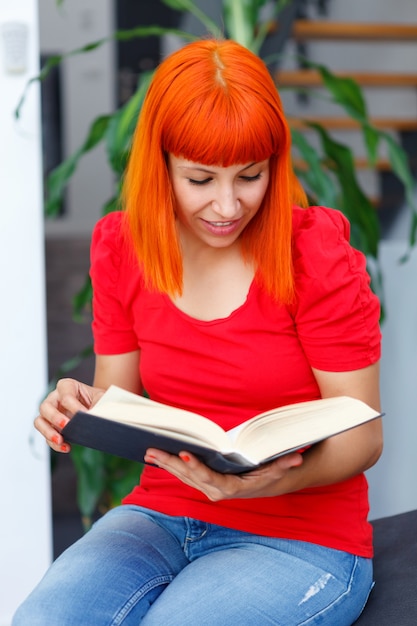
{"x":249,"y":179}
{"x":193,"y":181}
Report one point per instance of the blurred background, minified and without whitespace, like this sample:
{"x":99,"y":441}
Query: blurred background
{"x":44,"y":262}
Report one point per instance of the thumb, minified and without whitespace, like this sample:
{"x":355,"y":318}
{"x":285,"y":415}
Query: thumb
{"x":293,"y":459}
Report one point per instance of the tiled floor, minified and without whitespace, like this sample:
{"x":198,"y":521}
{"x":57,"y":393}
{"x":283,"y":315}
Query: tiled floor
{"x":67,"y":262}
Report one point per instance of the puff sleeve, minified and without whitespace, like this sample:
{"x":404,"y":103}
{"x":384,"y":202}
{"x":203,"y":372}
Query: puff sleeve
{"x":111,"y":280}
{"x":336,"y":313}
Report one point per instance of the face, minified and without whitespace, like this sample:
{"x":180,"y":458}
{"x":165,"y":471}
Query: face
{"x":215,"y":204}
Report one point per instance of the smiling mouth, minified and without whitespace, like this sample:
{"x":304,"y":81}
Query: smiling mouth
{"x":222,"y":224}
{"x":222,"y":228}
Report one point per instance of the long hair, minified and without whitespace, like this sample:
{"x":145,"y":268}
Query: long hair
{"x":212,"y":102}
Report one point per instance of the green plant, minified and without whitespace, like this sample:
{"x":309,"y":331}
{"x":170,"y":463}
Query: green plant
{"x":329,"y":176}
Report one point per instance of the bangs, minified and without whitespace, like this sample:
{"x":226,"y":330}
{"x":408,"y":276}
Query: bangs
{"x":225,"y":126}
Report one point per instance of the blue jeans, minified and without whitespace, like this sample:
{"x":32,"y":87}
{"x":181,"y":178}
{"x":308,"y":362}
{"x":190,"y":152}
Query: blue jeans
{"x":136,"y":566}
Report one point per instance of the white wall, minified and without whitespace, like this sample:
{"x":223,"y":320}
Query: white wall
{"x":393,"y":480}
{"x":25,"y":526}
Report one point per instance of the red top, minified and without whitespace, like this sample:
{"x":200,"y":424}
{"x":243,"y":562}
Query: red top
{"x":258,"y":358}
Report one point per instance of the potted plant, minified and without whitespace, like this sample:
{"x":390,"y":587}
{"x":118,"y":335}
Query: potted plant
{"x":328,"y":174}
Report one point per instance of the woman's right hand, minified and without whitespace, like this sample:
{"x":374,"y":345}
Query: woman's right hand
{"x":59,"y":406}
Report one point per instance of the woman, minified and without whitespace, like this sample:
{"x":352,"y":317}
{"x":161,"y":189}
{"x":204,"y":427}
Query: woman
{"x":217,"y":293}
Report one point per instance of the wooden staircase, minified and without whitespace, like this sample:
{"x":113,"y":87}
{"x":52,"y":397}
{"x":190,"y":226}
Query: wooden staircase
{"x":404,"y":126}
{"x":311,"y":78}
{"x":308,"y":30}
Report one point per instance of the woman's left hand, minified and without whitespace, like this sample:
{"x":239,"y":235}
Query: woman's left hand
{"x":260,"y":483}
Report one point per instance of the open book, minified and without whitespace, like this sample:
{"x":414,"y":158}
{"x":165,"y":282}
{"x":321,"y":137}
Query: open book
{"x":126,"y":425}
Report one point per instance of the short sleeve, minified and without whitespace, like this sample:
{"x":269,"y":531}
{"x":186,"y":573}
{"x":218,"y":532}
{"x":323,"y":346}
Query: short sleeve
{"x":336,"y":313}
{"x":112,"y":321}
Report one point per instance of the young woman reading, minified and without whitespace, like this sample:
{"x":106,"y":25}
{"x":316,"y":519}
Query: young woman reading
{"x":218,"y":291}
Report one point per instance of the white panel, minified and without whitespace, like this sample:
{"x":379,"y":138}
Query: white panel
{"x":25,"y":521}
{"x":393,"y":480}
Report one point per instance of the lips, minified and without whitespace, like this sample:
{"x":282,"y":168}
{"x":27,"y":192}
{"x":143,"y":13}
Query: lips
{"x":220,"y":224}
{"x":222,"y":228}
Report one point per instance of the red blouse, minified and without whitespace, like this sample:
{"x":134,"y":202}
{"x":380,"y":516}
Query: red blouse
{"x":257,"y":358}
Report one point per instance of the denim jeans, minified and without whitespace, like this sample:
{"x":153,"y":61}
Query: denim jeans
{"x":136,"y":566}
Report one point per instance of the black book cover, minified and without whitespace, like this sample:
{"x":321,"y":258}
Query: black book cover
{"x":131,"y":442}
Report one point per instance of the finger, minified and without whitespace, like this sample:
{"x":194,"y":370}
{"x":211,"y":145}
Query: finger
{"x":166,"y":460}
{"x":293,"y":459}
{"x":60,"y":405}
{"x":52,"y":411}
{"x":53,"y":438}
{"x":73,"y":396}
{"x":187,"y":468}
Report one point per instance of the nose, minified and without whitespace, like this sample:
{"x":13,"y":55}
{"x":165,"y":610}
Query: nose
{"x":226,"y":204}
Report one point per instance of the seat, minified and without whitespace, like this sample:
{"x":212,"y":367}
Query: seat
{"x":393,"y":601}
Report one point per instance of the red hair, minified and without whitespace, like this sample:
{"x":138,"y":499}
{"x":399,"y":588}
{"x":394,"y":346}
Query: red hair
{"x":212,"y":102}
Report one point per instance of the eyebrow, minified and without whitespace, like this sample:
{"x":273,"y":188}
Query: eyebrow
{"x":205,"y":171}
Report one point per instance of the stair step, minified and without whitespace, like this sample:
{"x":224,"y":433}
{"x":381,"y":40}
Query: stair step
{"x":355,"y":31}
{"x":312,"y":78}
{"x":348,"y":123}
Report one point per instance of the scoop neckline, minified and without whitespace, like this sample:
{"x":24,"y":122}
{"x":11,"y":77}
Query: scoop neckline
{"x":219,"y":320}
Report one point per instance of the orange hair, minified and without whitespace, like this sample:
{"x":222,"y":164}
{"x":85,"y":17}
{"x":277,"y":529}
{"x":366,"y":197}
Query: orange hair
{"x":212,"y":102}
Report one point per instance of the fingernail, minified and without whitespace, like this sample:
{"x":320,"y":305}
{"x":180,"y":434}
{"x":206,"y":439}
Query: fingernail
{"x":64,"y":447}
{"x":184,"y":457}
{"x":55,"y":439}
{"x":62,"y":423}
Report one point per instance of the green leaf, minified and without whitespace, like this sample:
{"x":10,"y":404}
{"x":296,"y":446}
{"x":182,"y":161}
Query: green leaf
{"x":120,"y":35}
{"x":111,"y":205}
{"x":348,"y":94}
{"x":122,"y":125}
{"x":318,"y":181}
{"x":345,"y":91}
{"x":56,"y":183}
{"x":240,"y":17}
{"x":59,"y":177}
{"x":90,"y":467}
{"x":400,"y":167}
{"x":96,"y":133}
{"x":243,"y":22}
{"x":355,"y":204}
{"x":122,"y":476}
{"x":371,"y":136}
{"x":148,"y":31}
{"x":180,"y":5}
{"x":203,"y":18}
{"x":262,"y":28}
{"x":82,"y":300}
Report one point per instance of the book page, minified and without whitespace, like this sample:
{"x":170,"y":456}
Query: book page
{"x":126,"y":407}
{"x":301,"y":424}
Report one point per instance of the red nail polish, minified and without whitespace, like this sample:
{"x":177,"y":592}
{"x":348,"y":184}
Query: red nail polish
{"x":55,"y":439}
{"x":64,"y":447}
{"x":62,"y":423}
{"x":185,"y":458}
